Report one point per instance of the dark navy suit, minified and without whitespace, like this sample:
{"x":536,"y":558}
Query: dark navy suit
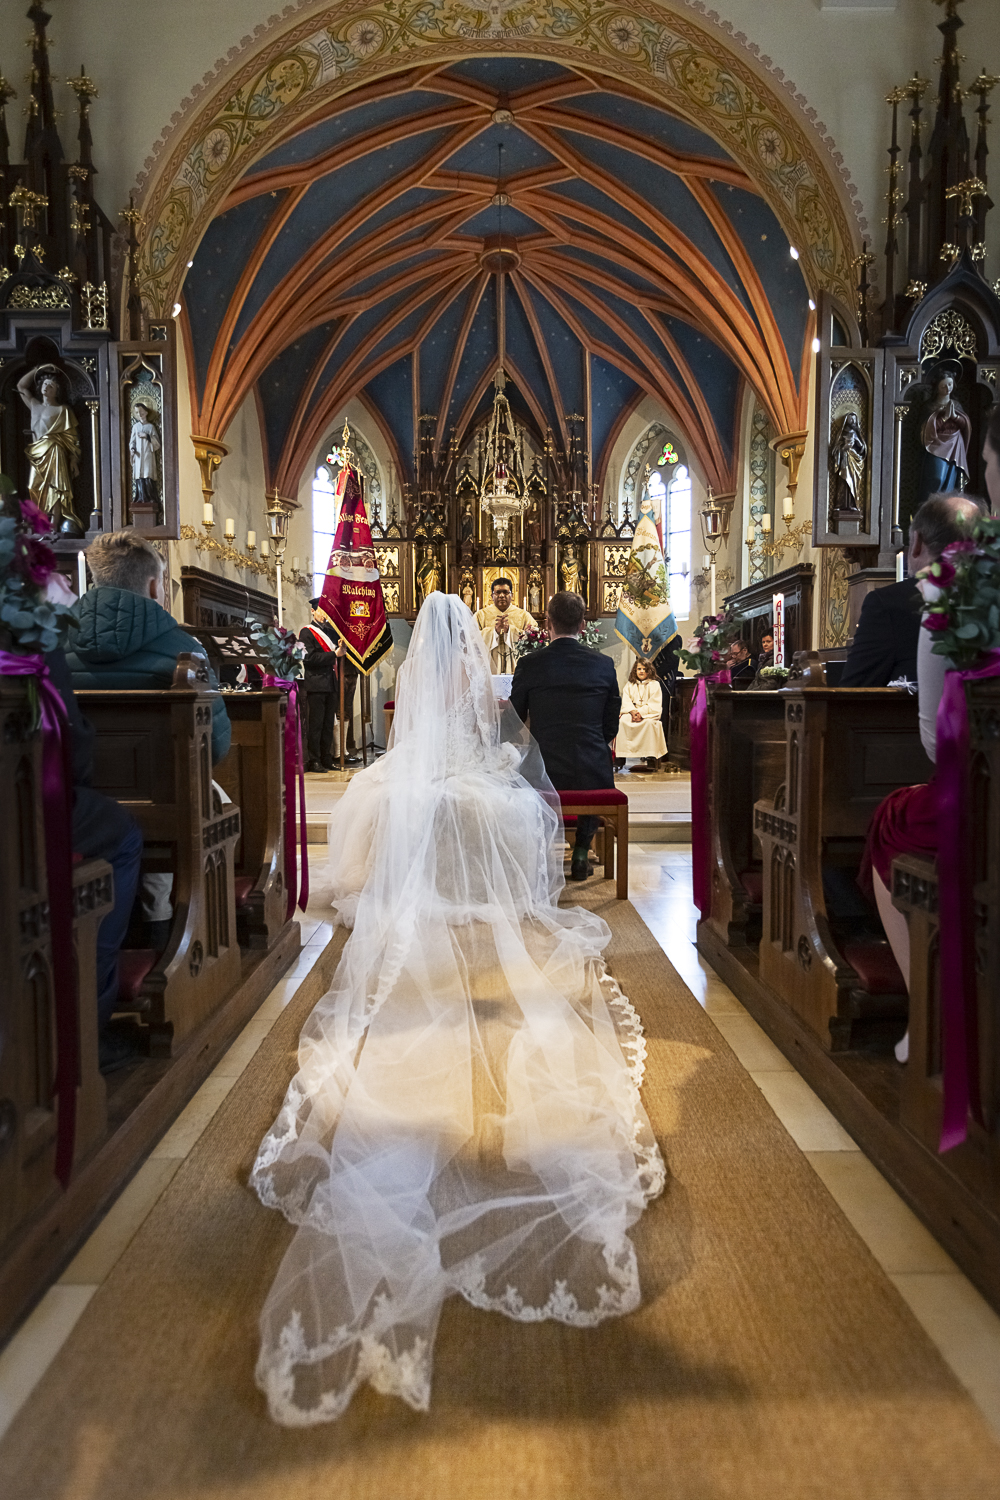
{"x":885,"y":642}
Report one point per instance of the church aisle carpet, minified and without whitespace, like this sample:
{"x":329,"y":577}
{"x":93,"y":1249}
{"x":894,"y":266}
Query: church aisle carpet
{"x":771,"y":1359}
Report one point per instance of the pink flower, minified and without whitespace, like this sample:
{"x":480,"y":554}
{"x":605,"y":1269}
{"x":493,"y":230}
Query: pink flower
{"x":965,"y":545}
{"x":936,"y":621}
{"x":942,"y":571}
{"x":36,"y":560}
{"x":58,"y":591}
{"x":716,"y":656}
{"x":35,"y":518}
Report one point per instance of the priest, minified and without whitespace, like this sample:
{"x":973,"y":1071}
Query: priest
{"x":503,"y":623}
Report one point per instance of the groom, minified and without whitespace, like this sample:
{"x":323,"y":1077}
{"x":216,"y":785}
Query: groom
{"x":571,"y":695}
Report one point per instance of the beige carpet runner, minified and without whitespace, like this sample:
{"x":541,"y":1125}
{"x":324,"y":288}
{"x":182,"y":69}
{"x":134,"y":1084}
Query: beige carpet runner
{"x":771,"y":1360}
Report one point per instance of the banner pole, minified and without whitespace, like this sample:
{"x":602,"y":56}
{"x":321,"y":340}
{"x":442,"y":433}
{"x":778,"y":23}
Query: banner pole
{"x":340,"y":674}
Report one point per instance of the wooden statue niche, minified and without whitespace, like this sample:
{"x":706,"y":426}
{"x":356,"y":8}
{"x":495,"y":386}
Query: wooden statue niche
{"x":145,"y":421}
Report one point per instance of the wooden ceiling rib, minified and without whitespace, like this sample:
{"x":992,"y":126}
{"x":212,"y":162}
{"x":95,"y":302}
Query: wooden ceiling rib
{"x":677,"y":278}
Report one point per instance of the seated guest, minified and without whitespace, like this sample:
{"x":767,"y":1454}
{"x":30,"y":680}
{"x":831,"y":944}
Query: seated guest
{"x":502,"y":624}
{"x":740,"y":665}
{"x":885,"y":642}
{"x":766,"y":656}
{"x":320,"y":684}
{"x":569,"y":696}
{"x":124,"y":637}
{"x":640,"y":731}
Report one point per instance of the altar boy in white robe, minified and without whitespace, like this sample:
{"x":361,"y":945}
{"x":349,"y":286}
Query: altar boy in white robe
{"x":502,"y":623}
{"x":640,"y":732}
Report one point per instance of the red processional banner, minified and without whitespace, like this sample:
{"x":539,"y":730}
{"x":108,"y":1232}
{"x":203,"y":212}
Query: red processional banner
{"x":352,"y":597}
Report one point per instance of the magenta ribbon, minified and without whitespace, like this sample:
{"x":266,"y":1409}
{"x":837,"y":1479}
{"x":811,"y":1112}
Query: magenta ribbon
{"x":294,"y":771}
{"x":57,"y":806}
{"x":701,"y":831}
{"x":956,"y":918}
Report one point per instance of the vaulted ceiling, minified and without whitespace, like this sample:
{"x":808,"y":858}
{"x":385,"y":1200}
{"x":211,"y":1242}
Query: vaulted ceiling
{"x":359,"y":258}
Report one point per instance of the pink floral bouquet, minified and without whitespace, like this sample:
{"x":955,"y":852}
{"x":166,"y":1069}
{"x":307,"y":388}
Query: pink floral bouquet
{"x":962,"y":594}
{"x":707,"y":652}
{"x":36,"y":603}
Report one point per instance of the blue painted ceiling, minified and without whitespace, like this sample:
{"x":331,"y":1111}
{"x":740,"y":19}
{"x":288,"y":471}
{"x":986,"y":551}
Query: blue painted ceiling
{"x":350,"y":261}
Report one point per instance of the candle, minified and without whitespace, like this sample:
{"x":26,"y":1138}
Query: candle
{"x":265,"y":547}
{"x":751,"y":532}
{"x":788,"y":507}
{"x":208,"y":515}
{"x":295,"y":565}
{"x":251,"y":540}
{"x":230,"y":529}
{"x":81,"y":575}
{"x":707,"y":560}
{"x":900,"y":566}
{"x":765,"y":524}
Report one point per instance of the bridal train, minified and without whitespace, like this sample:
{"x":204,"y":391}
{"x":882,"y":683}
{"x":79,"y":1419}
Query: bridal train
{"x":465,"y":1117}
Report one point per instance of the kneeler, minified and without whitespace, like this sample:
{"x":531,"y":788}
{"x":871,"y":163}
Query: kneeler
{"x":611,"y":805}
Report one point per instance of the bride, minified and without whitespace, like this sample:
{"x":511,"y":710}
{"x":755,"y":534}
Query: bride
{"x":465,"y":1117}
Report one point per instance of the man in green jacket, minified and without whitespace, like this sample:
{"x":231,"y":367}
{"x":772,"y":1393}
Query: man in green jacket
{"x":125,"y":638}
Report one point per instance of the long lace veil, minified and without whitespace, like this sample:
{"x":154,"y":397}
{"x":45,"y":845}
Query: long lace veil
{"x":465,"y":1117}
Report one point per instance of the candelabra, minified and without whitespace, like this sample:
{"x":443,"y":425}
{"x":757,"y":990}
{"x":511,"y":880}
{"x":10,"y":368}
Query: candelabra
{"x":794,"y":536}
{"x":204,"y":541}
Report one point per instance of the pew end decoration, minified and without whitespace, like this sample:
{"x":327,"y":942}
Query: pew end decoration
{"x":706,"y":656}
{"x":962,"y":592}
{"x":531,"y":640}
{"x":279,"y":648}
{"x":35,"y":604}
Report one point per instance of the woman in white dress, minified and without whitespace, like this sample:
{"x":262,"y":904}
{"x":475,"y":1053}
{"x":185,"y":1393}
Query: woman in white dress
{"x":465,"y":1117}
{"x":641,"y":730}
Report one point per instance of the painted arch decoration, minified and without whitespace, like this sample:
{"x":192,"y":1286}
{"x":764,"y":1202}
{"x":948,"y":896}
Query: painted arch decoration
{"x":302,"y":67}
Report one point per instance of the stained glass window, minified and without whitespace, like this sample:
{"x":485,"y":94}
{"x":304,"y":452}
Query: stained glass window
{"x":668,"y":456}
{"x":324,"y":502}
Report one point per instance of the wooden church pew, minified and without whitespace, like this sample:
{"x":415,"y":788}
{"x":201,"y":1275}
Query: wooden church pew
{"x":28,"y":1113}
{"x":846,"y":748}
{"x":153,"y":754}
{"x":253,"y":775}
{"x":747,"y":759}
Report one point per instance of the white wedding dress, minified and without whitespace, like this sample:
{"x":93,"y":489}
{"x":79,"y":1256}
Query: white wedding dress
{"x":465,"y":1117}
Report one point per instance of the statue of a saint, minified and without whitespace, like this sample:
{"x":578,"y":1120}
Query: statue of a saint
{"x":468,"y":592}
{"x":143,"y":446}
{"x":946,"y":435}
{"x":847,"y":467}
{"x":429,"y":574}
{"x":54,"y":450}
{"x":571,"y":574}
{"x":535,"y":592}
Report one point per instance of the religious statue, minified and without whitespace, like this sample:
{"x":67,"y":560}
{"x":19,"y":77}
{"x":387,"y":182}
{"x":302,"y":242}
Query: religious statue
{"x":143,"y":446}
{"x":571,"y":573}
{"x":946,"y":435}
{"x":467,"y":530}
{"x":468,"y":591}
{"x":535,"y":592}
{"x":54,"y":450}
{"x":429,"y":573}
{"x":847,"y":467}
{"x":502,"y":624}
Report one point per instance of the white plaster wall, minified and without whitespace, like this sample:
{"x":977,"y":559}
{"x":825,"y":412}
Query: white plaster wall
{"x":147,"y":61}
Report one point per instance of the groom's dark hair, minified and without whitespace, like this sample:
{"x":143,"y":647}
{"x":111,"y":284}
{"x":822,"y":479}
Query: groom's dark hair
{"x":567,"y":612}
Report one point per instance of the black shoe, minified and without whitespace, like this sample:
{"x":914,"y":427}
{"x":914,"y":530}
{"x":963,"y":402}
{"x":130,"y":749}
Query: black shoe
{"x":580,"y":867}
{"x":352,"y":760}
{"x":328,"y":765}
{"x":619,"y":765}
{"x":314,"y":768}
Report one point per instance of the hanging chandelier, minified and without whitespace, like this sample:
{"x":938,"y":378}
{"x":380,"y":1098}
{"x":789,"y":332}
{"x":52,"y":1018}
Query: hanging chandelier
{"x":503,"y":494}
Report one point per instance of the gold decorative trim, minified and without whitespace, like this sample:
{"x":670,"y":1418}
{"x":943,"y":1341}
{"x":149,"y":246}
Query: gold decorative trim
{"x":297,"y":69}
{"x":948,"y":330}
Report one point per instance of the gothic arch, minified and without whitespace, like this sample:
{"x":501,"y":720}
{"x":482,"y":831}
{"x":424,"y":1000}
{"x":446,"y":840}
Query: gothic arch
{"x":291,"y":71}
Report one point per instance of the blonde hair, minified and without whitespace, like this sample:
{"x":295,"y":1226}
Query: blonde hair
{"x":124,"y":560}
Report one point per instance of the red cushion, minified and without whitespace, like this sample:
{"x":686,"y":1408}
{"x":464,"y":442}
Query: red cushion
{"x":133,"y":966}
{"x":876,"y":967}
{"x":391,"y":703}
{"x":244,"y":885}
{"x":752,"y":882}
{"x":603,"y":797}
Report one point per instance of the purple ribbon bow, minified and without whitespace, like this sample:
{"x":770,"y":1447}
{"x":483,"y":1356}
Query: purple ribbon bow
{"x":294,"y":771}
{"x":956,"y":924}
{"x":701,"y":832}
{"x":57,"y":806}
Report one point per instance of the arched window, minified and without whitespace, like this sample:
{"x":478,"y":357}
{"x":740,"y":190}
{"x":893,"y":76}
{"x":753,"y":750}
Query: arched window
{"x":671,"y":497}
{"x":324,"y":500}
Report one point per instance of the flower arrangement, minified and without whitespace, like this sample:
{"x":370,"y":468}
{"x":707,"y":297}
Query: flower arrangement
{"x":36,"y":603}
{"x":962,"y":593}
{"x":707,"y":652}
{"x":533,"y":640}
{"x":280,"y":649}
